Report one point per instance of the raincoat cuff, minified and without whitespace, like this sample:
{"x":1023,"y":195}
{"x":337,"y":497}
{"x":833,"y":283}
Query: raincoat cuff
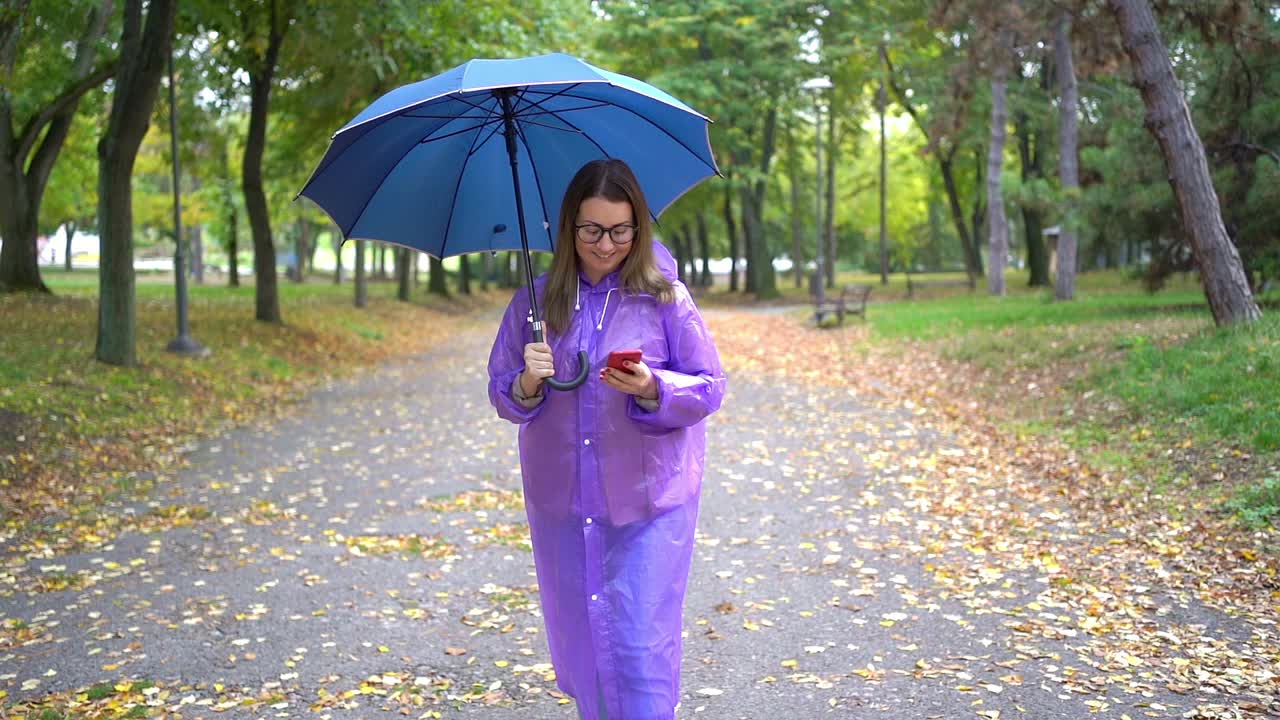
{"x":508,"y":407}
{"x":683,"y":400}
{"x":647,"y":405}
{"x":518,"y":395}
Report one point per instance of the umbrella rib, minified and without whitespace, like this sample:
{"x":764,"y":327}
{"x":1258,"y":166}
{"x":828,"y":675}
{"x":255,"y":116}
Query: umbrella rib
{"x":429,"y":139}
{"x":646,"y":119}
{"x":474,"y":148}
{"x":453,"y":206}
{"x":549,"y":95}
{"x":599,"y":147}
{"x":543,"y":111}
{"x":550,"y":127}
{"x":537,"y":181}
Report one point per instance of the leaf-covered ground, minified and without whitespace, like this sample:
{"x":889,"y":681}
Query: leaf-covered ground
{"x":869,"y":546}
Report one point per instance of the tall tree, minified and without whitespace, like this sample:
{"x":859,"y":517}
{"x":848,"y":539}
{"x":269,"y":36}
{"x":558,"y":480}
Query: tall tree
{"x":362,"y":285}
{"x":144,"y":50}
{"x":1169,"y":121}
{"x":882,"y":100}
{"x":1029,"y":131}
{"x":944,"y":149}
{"x":436,"y":284}
{"x":1068,"y":161}
{"x":464,"y":275}
{"x":404,"y":274}
{"x":731,"y":230}
{"x":704,"y":248}
{"x":261,"y":65}
{"x":997,"y":221}
{"x":27,"y":155}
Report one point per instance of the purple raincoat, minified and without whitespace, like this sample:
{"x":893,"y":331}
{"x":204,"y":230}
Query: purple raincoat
{"x":611,"y":490}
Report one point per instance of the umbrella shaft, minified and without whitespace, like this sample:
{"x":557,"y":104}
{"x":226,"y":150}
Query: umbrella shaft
{"x":509,"y":125}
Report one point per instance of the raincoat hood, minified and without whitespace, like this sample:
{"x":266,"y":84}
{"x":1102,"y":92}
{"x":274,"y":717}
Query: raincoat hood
{"x":666,"y":263}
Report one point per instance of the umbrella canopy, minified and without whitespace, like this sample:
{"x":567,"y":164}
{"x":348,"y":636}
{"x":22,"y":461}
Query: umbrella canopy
{"x":428,"y":165}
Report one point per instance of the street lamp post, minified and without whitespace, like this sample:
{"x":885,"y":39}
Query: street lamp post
{"x":818,"y":280}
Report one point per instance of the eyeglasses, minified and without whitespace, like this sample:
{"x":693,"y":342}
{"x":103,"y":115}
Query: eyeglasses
{"x":590,"y":233}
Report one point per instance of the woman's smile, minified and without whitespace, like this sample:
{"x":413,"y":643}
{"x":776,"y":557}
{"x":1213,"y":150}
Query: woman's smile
{"x":603,"y":256}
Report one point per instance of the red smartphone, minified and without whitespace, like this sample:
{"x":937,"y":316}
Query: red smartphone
{"x":617,"y":357}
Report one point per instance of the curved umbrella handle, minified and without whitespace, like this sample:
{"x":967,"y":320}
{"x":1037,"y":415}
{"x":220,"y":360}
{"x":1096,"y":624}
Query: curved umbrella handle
{"x":583,"y":366}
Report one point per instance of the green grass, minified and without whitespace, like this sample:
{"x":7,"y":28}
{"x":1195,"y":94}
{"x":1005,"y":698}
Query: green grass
{"x":78,"y":423}
{"x":1258,"y":504}
{"x":1099,"y":299}
{"x":1225,"y":382}
{"x":1175,"y":378}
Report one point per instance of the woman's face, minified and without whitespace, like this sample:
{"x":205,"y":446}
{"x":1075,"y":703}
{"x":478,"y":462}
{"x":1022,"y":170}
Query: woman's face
{"x":606,"y":254}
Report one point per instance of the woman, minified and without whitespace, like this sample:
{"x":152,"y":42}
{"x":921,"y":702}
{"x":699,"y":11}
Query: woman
{"x":612,"y":470}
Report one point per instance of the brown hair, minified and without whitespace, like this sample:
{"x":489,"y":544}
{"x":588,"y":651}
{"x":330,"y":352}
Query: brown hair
{"x":612,"y":180}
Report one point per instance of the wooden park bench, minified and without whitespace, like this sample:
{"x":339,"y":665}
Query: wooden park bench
{"x":914,"y":285}
{"x":851,"y":300}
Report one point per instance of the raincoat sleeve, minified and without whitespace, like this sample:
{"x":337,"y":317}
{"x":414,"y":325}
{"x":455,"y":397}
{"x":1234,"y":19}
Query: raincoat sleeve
{"x":692,"y":385}
{"x":506,"y":361}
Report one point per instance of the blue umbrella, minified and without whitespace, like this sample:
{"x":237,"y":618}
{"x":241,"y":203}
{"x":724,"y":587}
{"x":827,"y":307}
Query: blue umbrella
{"x":447,"y":164}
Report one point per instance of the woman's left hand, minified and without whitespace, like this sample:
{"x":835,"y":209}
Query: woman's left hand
{"x":639,"y":382}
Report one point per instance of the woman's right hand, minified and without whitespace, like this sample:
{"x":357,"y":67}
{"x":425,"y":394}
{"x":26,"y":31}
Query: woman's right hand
{"x":538,"y":365}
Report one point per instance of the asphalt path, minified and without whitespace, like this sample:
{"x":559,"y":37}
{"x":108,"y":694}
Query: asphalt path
{"x":363,"y":554}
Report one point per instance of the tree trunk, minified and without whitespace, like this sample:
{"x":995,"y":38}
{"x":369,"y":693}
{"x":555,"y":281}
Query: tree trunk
{"x":27,"y":159}
{"x":979,"y":213}
{"x":261,"y":77}
{"x":732,"y":228}
{"x":1030,"y":142}
{"x":1068,"y":163}
{"x":143,"y":53}
{"x":506,"y":279}
{"x":761,"y":278}
{"x":464,"y":275}
{"x":337,"y":254}
{"x":1169,"y":121}
{"x":486,"y":264}
{"x":403,"y":274}
{"x":881,"y":103}
{"x":362,"y":281}
{"x":436,"y":284}
{"x":233,"y":246}
{"x":704,"y":250}
{"x":997,"y":222}
{"x":1032,"y":223}
{"x":957,"y":217}
{"x":302,"y":251}
{"x":70,"y":230}
{"x":19,"y":258}
{"x":745,"y":202}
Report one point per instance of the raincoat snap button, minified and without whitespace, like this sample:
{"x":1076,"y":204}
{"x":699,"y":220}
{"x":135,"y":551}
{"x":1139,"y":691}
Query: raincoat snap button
{"x":595,"y":597}
{"x":588,"y":521}
{"x":587,"y":441}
